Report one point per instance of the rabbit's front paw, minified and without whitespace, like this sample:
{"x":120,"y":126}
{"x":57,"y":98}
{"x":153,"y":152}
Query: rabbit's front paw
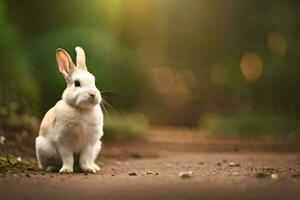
{"x":88,"y":169}
{"x":95,"y":167}
{"x":66,"y":169}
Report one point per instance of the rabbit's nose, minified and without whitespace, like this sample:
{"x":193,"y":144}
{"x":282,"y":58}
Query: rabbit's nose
{"x":92,"y":95}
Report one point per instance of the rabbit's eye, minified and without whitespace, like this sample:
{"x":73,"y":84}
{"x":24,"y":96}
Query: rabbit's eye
{"x":77,"y":83}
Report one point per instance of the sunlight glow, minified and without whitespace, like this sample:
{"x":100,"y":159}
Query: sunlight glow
{"x":277,"y":43}
{"x":251,"y":66}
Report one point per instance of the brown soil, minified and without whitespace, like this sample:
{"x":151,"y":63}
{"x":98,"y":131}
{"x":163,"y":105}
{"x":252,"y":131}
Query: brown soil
{"x":236,"y":169}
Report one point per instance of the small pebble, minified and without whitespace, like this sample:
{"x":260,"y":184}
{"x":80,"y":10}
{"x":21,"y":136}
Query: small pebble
{"x":19,"y":159}
{"x":149,"y":172}
{"x":260,"y":175}
{"x":275,"y":176}
{"x":218,"y":164}
{"x":132,"y":174}
{"x":232,"y":164}
{"x":27,"y":175}
{"x":185,"y":174}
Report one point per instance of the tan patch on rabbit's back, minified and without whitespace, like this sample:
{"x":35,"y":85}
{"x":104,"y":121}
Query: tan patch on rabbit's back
{"x":48,"y":123}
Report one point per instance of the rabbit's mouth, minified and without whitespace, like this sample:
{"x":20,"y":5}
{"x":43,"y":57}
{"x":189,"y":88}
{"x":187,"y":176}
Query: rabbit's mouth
{"x":87,"y":101}
{"x":94,"y":99}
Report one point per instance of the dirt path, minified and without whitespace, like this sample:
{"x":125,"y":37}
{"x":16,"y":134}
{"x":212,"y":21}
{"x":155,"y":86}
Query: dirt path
{"x":232,"y":175}
{"x":217,"y":168}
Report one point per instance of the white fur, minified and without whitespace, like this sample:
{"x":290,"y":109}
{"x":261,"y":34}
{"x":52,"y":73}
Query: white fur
{"x":75,"y":124}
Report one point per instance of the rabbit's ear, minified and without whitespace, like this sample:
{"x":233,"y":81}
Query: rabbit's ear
{"x":80,"y":58}
{"x":65,"y":63}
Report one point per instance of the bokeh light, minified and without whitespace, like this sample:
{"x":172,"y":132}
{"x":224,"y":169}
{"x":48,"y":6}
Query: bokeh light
{"x":277,"y":43}
{"x":251,"y":66}
{"x":174,"y":85}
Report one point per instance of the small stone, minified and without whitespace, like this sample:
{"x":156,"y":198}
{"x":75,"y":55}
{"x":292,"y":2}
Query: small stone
{"x":218,"y":164}
{"x":156,"y":173}
{"x":185,"y":174}
{"x":274,"y":176}
{"x":19,"y":159}
{"x":232,"y":164}
{"x":28,"y":175}
{"x":149,"y":172}
{"x":132,"y":174}
{"x":200,"y":163}
{"x":260,"y":175}
{"x":112,"y":174}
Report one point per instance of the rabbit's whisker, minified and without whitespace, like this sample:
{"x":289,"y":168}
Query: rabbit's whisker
{"x":109,"y":105}
{"x":105,"y":110}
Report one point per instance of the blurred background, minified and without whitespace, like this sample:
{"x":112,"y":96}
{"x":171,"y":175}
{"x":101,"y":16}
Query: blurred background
{"x":227,"y":66}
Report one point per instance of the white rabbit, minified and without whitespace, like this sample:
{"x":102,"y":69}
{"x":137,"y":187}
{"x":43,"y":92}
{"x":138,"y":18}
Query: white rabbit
{"x":75,"y":124}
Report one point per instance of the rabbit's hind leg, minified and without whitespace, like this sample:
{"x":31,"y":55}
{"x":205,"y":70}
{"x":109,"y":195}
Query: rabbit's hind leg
{"x":47,"y":155}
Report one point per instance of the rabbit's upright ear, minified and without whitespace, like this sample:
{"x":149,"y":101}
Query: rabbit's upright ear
{"x":80,"y":58}
{"x":65,"y":63}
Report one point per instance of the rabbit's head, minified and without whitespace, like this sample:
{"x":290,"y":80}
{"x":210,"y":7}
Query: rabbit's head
{"x":81,"y":91}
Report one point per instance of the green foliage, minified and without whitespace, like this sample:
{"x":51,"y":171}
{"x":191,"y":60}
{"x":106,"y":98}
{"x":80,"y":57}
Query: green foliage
{"x":18,"y":83}
{"x":125,"y":42}
{"x":125,"y":126}
{"x":250,"y":123}
{"x":11,"y":120}
{"x":7,"y":160}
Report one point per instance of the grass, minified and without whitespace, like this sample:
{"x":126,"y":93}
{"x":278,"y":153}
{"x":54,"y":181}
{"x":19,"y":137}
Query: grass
{"x":251,"y":123}
{"x":123,"y":127}
{"x":7,"y":160}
